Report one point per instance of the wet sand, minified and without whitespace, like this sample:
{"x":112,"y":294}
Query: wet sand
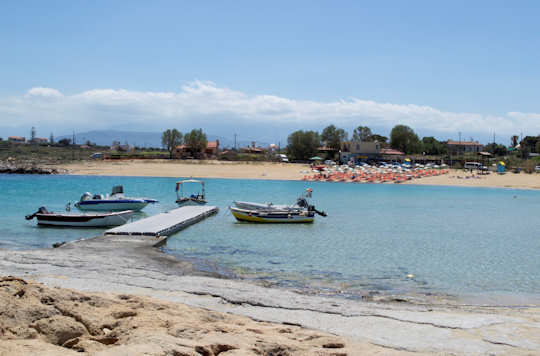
{"x":277,"y":171}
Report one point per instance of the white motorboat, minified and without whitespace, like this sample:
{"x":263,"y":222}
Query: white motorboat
{"x":45,"y":217}
{"x":193,"y":199}
{"x":116,"y":201}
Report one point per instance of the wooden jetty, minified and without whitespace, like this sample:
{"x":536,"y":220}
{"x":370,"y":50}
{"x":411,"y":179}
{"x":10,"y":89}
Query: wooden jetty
{"x":165,"y":224}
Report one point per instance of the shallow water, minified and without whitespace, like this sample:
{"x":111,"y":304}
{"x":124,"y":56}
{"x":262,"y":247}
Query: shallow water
{"x":459,"y":241}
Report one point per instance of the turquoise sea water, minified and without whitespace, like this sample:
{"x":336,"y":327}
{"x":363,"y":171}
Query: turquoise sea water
{"x":453,"y":240}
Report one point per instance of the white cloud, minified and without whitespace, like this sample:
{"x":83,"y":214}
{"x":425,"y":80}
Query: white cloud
{"x":43,"y":92}
{"x":207,"y":105}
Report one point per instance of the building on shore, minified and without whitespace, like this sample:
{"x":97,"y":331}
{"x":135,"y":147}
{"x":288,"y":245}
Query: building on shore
{"x":16,"y":139}
{"x":212,"y":149}
{"x":254,"y":149}
{"x":390,"y":154}
{"x":116,"y":146}
{"x":359,"y":151}
{"x":328,"y":152}
{"x":39,"y":140}
{"x":461,"y":147}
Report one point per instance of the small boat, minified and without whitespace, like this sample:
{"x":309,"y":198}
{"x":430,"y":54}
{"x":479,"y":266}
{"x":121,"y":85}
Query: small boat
{"x":45,"y":217}
{"x":192,"y":199}
{"x":116,"y":201}
{"x":273,"y":216}
{"x":263,"y":206}
{"x":301,"y":204}
{"x":301,"y":212}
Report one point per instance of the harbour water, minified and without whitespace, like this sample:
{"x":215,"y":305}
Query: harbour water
{"x":387,"y":239}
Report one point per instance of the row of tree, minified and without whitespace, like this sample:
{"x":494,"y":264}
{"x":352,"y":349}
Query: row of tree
{"x":304,"y":144}
{"x":195,"y":140}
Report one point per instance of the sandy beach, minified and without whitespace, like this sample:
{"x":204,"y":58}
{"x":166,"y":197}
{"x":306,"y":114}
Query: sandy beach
{"x":278,"y":171}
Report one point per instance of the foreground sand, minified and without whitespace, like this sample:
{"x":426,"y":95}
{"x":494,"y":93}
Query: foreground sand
{"x":35,"y":319}
{"x":277,"y":171}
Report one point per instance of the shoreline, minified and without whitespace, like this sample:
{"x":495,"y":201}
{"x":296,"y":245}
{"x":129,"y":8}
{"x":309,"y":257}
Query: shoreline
{"x":278,"y":171}
{"x":132,"y":266}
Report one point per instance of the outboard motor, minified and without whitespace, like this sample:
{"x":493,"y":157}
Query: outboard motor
{"x":41,"y":210}
{"x":302,"y":202}
{"x":117,"y":189}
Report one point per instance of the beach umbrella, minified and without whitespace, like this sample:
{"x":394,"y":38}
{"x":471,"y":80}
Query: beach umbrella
{"x":407,"y":159}
{"x":316,"y":158}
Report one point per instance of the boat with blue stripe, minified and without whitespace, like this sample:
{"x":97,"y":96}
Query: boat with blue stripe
{"x":116,"y":201}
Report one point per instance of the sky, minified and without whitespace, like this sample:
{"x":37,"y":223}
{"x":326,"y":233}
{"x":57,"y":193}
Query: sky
{"x":264,"y":69}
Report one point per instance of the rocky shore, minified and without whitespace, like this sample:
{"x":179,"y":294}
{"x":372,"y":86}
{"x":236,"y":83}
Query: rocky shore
{"x":36,"y":319}
{"x":12,"y":167}
{"x":129,"y":265}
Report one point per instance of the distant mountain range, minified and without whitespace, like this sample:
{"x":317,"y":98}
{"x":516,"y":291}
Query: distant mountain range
{"x":143,"y":139}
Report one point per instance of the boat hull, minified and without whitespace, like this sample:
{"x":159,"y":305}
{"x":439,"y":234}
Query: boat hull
{"x":263,"y":206}
{"x":189,"y":201}
{"x":111,"y":205}
{"x":84,"y":220}
{"x":257,"y":216}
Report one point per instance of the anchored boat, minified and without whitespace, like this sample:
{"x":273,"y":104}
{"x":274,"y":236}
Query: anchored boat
{"x":116,"y":201}
{"x":45,"y":217}
{"x":273,"y":216}
{"x":302,"y":211}
{"x":193,"y":199}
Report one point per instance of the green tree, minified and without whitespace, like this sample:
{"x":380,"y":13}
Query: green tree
{"x":431,"y":146}
{"x":383,"y":140}
{"x":362,"y":133}
{"x":170,"y":139}
{"x":302,"y":145}
{"x":196,"y":141}
{"x":333,"y":137}
{"x":403,"y":138}
{"x":64,"y":142}
{"x":495,"y":149}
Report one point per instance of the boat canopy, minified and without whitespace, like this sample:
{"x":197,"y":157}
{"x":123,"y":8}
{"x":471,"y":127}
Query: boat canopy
{"x":179,"y":183}
{"x":180,"y":187}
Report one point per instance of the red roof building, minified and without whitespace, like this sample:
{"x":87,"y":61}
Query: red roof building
{"x":16,"y":139}
{"x":460,"y":147}
{"x":212,"y":148}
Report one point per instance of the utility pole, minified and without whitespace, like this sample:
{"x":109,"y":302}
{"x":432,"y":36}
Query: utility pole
{"x":459,"y":147}
{"x":73,"y":146}
{"x":235,"y":142}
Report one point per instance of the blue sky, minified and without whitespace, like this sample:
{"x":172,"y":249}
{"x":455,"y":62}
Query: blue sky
{"x":264,"y":69}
